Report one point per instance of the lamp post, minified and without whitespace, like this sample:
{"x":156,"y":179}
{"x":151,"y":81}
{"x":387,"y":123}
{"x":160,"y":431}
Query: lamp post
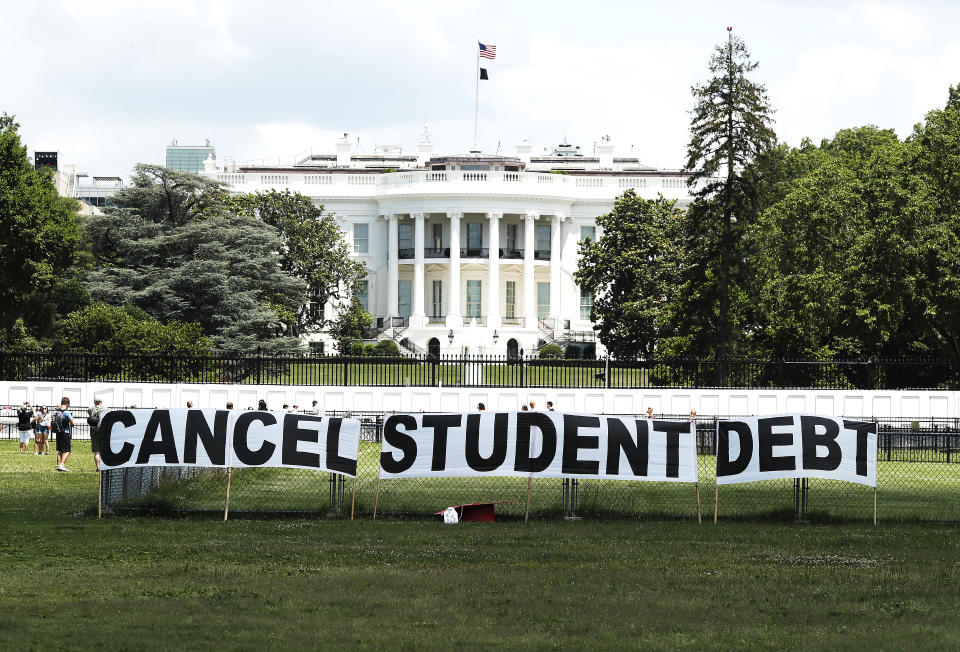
{"x":496,"y":336}
{"x":450,"y":337}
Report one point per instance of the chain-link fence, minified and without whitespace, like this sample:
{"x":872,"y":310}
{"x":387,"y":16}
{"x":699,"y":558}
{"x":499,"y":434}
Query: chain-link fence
{"x":918,"y":478}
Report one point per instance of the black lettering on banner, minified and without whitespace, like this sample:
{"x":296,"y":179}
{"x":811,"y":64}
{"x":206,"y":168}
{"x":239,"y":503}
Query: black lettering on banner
{"x":159,"y":421}
{"x":240,"y":445}
{"x":293,"y":434}
{"x":440,"y":423}
{"x":401,"y":440}
{"x":726,"y":466}
{"x":539,"y":420}
{"x":673,"y":430}
{"x":620,"y":439}
{"x":767,"y":440}
{"x":125,"y":418}
{"x":334,"y":461}
{"x":214,"y":443}
{"x":812,"y":440}
{"x":863,"y":429}
{"x":573,"y":442}
{"x":472,"y":443}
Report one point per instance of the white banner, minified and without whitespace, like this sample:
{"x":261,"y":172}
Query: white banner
{"x":539,"y":444}
{"x":228,"y":438}
{"x":796,"y":446}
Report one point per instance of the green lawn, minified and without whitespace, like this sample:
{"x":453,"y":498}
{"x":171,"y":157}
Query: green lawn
{"x":68,"y":580}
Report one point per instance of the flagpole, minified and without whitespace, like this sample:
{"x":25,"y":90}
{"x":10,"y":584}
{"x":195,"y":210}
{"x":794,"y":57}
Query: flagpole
{"x":476,"y":96}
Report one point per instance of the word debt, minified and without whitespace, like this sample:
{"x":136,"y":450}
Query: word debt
{"x":796,"y":446}
{"x":540,"y":444}
{"x":227,"y":438}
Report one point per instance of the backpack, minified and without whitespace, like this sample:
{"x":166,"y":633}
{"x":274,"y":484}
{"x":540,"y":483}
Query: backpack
{"x":58,"y":422}
{"x":93,"y":418}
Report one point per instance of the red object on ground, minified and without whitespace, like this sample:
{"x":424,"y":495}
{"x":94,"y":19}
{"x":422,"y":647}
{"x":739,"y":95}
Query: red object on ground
{"x":483,"y":512}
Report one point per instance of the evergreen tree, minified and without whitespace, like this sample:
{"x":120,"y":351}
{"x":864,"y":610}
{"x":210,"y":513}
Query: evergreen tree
{"x":173,"y":248}
{"x":730,"y":127}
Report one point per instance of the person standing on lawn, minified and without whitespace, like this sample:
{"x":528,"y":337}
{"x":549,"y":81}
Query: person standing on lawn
{"x":93,"y":420}
{"x":63,"y":428}
{"x":24,"y":425}
{"x":44,"y":437}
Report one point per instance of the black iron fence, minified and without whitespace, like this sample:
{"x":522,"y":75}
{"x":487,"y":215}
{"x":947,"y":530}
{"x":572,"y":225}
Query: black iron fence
{"x":918,"y":478}
{"x":425,"y":370}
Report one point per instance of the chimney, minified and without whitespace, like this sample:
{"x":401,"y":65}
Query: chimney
{"x":605,"y":153}
{"x":343,"y":151}
{"x":523,"y":151}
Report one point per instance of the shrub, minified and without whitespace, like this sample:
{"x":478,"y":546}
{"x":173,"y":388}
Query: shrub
{"x":387,"y":349}
{"x":550,"y":352}
{"x":572,"y":352}
{"x":355,"y":348}
{"x":369,"y":350}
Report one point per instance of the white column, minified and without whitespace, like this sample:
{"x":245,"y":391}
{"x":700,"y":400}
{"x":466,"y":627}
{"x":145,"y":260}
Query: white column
{"x":418,"y":316}
{"x":393,"y":265}
{"x":493,"y":272}
{"x":529,"y":286}
{"x":556,"y":247}
{"x":454,"y":309}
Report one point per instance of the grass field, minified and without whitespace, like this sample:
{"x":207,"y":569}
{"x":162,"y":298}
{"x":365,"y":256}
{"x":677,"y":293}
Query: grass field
{"x":68,"y":580}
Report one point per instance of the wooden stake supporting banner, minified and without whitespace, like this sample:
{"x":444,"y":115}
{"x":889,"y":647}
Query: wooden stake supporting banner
{"x":874,"y":505}
{"x":699,"y":519}
{"x":226,"y":504}
{"x":353,"y":497}
{"x":376,"y":503}
{"x":716,"y":501}
{"x":526,"y":513}
{"x":100,"y":494}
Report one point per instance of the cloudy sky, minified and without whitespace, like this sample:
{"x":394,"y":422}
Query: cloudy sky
{"x":111,"y":83}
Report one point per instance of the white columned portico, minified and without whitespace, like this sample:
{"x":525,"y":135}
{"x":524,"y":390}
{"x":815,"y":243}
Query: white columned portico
{"x":393,"y":265}
{"x":556,"y":246}
{"x":418,"y":316}
{"x":529,"y":289}
{"x":493,"y":272}
{"x":454,"y":314}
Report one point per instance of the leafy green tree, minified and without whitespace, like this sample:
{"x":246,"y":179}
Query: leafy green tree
{"x":837,"y":257}
{"x":350,"y":326}
{"x":41,"y":245}
{"x":313,"y":249}
{"x":730,"y":127}
{"x":172,"y":247}
{"x":633,"y":269}
{"x":937,"y":164}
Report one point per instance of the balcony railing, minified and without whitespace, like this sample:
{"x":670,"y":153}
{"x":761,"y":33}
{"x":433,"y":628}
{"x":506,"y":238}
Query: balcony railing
{"x":474,"y":252}
{"x":405,"y":252}
{"x":511,"y":252}
{"x":433,"y":252}
{"x":541,"y":254}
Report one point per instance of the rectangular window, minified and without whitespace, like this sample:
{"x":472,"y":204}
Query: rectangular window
{"x":438,"y":236}
{"x":361,"y":238}
{"x":403,"y":298}
{"x":474,"y":235}
{"x":405,"y":236}
{"x":511,"y":300}
{"x":437,"y":303}
{"x":512,"y":236}
{"x":543,"y":300}
{"x":362,"y":292}
{"x":588,"y":233}
{"x":473,"y":299}
{"x":586,"y":304}
{"x":543,"y":237}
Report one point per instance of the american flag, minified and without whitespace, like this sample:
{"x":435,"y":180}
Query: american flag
{"x":488,"y":51}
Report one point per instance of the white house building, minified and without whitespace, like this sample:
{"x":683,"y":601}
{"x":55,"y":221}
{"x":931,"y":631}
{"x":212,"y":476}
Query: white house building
{"x":467,"y":254}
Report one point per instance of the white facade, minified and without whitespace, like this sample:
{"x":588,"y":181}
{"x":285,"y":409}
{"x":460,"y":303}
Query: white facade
{"x":481,"y":247}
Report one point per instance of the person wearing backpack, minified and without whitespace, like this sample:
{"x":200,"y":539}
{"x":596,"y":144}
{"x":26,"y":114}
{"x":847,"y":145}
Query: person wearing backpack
{"x":24,"y":425}
{"x":93,"y":420}
{"x":62,"y":424}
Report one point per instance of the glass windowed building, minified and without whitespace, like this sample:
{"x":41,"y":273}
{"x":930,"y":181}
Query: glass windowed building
{"x":188,"y":158}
